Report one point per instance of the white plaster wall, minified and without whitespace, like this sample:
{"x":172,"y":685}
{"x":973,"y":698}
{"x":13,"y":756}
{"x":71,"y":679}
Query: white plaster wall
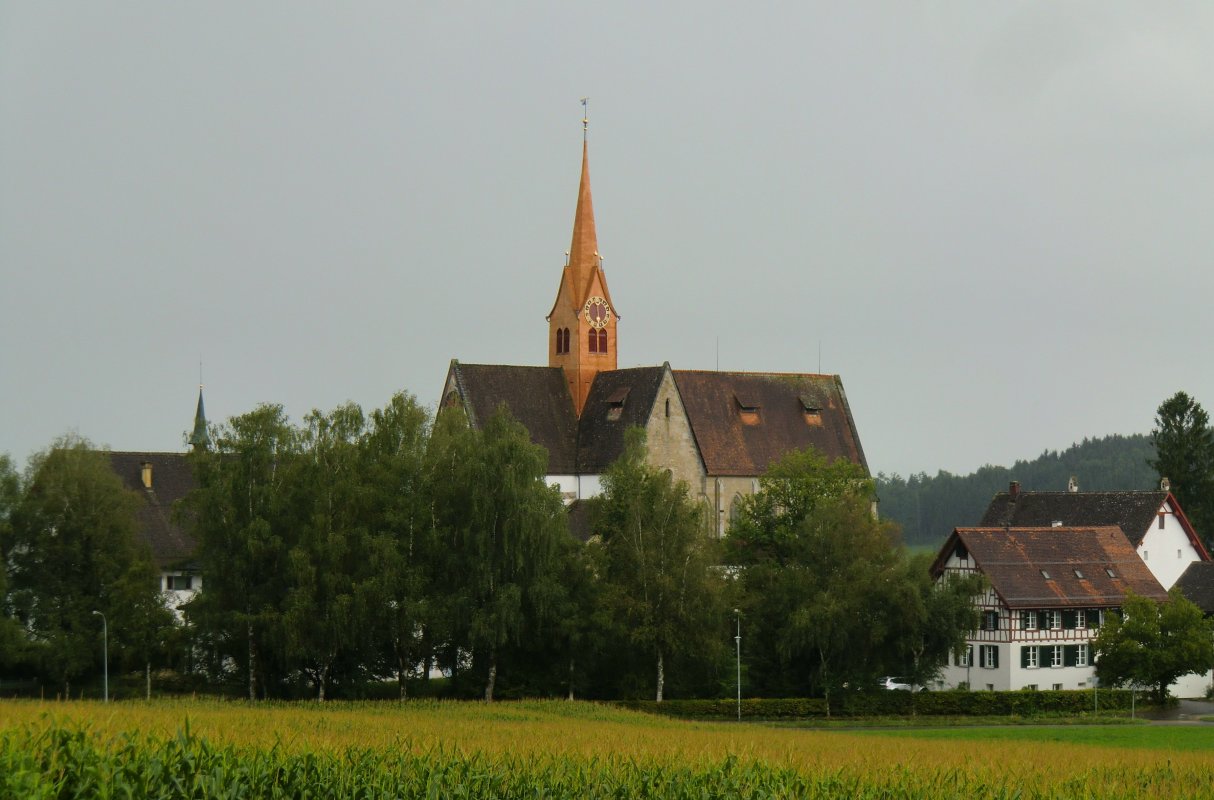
{"x":176,"y":598}
{"x":1167,"y":552}
{"x":589,"y":486}
{"x":1190,"y":686}
{"x":566,"y":484}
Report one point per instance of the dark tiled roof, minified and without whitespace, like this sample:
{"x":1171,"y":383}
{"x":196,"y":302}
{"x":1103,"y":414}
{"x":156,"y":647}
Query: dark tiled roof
{"x":618,"y":400}
{"x":172,"y":479}
{"x":1133,"y":512}
{"x":1197,"y":584}
{"x":538,"y":397}
{"x":1017,"y":560}
{"x":743,"y":421}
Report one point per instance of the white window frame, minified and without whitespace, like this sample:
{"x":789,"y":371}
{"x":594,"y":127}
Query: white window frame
{"x":1081,"y":619}
{"x":1056,"y":659}
{"x":1029,"y":620}
{"x":1032,"y":659}
{"x":1055,"y":620}
{"x":988,"y":656}
{"x":1081,"y":656}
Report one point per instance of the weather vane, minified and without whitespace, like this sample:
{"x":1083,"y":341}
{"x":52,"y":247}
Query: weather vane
{"x":585,"y":115}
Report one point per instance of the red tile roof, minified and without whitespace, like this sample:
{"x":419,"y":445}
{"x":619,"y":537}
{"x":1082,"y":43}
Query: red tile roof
{"x":1055,"y":567}
{"x":743,"y":421}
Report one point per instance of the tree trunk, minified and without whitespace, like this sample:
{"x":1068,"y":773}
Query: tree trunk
{"x":492,"y":675}
{"x":661,"y":676}
{"x":321,"y":679}
{"x":252,"y":661}
{"x":571,"y":678}
{"x":400,"y":676}
{"x":147,"y":676}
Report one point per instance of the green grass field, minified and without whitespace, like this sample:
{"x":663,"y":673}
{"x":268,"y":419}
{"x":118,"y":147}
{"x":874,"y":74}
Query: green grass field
{"x":210,"y":749}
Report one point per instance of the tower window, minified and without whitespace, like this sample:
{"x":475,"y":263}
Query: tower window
{"x":559,"y":341}
{"x":593,"y":342}
{"x":602,"y":341}
{"x":565,"y":337}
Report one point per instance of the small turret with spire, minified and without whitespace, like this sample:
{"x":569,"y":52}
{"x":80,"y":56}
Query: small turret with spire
{"x":200,"y":439}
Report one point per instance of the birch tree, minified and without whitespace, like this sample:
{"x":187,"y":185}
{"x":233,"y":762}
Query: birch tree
{"x":657,"y":554}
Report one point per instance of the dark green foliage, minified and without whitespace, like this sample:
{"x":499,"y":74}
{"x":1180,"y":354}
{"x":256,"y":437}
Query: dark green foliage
{"x":879,"y":702}
{"x":73,"y":552}
{"x":1152,"y":644}
{"x":12,"y":640}
{"x":656,"y":562}
{"x":929,"y":507}
{"x":1184,"y":454}
{"x":829,"y":597}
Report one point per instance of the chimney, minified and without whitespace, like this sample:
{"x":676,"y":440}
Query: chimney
{"x":1165,"y":485}
{"x":1013,"y":489}
{"x":1072,"y":485}
{"x":145,"y":473}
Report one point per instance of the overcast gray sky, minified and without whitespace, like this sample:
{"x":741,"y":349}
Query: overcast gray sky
{"x":993,"y":218}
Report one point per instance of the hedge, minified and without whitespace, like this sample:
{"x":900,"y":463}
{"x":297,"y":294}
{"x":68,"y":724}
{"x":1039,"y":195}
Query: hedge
{"x":894,"y":703}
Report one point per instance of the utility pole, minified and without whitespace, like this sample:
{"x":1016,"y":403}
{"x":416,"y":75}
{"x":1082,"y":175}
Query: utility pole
{"x":738,"y":640}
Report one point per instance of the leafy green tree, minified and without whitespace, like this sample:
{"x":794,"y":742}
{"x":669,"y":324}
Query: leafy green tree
{"x":12,"y":638}
{"x":504,"y":527}
{"x":1153,"y":643}
{"x":403,"y":550}
{"x":1184,"y":454}
{"x":832,"y":600}
{"x":73,"y":553}
{"x":932,"y":618}
{"x":328,"y":609}
{"x":657,"y":556}
{"x":240,"y":514}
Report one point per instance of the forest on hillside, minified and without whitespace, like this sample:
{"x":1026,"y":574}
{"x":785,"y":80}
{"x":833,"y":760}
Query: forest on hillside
{"x":929,"y":507}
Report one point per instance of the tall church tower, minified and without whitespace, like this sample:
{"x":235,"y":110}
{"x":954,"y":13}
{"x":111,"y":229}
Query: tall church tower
{"x":582,"y":323}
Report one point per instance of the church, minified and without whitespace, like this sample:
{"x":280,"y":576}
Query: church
{"x":717,"y":431}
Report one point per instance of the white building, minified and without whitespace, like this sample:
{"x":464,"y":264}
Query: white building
{"x":1049,"y":590}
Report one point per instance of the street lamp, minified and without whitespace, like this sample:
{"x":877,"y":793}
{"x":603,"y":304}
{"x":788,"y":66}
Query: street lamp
{"x":738,"y":640}
{"x":105,"y":652}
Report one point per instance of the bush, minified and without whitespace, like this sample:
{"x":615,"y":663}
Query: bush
{"x":894,"y":704}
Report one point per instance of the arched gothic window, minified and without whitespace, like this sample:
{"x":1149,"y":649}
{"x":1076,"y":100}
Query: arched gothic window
{"x":592,"y":342}
{"x":565,"y":336}
{"x":602,"y":337}
{"x":558,"y":342}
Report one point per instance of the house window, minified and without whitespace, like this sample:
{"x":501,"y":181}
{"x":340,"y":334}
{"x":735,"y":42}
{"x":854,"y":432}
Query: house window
{"x":1081,"y":656}
{"x":1045,"y":575}
{"x":1054,"y":620}
{"x":1056,"y":656}
{"x":668,"y":406}
{"x":1028,"y":620}
{"x":990,"y":620}
{"x":1031,"y":687}
{"x":1079,"y":574}
{"x":1057,"y":687}
{"x":1081,"y":619}
{"x":178,"y":583}
{"x":1109,"y":571}
{"x":989,"y":653}
{"x":1146,"y":556}
{"x":967,"y":657}
{"x":1161,"y":521}
{"x":1028,"y":657}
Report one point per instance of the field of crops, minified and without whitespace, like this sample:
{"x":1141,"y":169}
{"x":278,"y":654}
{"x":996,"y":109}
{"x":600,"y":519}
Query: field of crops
{"x":551,"y":749}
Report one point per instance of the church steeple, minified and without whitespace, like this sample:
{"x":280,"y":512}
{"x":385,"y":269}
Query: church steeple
{"x":582,"y":323}
{"x":200,"y":439}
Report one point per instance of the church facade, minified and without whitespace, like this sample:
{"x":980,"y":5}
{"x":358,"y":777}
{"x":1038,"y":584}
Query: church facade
{"x":717,"y":431}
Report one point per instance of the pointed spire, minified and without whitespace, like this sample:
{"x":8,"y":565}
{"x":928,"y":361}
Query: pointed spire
{"x":200,"y":439}
{"x":584,"y":250}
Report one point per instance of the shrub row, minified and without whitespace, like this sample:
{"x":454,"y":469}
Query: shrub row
{"x":880,"y":704}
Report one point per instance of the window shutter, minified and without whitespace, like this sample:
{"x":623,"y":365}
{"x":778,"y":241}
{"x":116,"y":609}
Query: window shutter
{"x":1094,"y":618}
{"x":1024,"y":657}
{"x":995,"y":656}
{"x":1068,"y":619}
{"x":1070,"y":655}
{"x":1043,"y":620}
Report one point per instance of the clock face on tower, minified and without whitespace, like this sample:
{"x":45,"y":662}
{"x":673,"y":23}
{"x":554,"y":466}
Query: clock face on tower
{"x":598,"y":313}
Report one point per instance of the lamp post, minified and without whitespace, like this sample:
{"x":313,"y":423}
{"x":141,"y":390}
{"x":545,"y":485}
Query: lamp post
{"x":738,"y":640}
{"x":105,"y":652}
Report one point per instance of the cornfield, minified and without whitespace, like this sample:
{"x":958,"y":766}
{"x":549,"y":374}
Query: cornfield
{"x":531,"y":750}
